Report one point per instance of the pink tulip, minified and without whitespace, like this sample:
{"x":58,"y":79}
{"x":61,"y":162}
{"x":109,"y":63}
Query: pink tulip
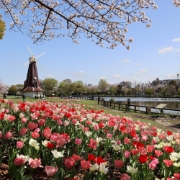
{"x":74,"y":121}
{"x":96,"y":127}
{"x":47,"y":133}
{"x":23,"y":131}
{"x":19,"y":144}
{"x":23,"y":120}
{"x":69,"y":162}
{"x":126,"y":140}
{"x":60,"y":142}
{"x":124,"y":177}
{"x":78,"y":141}
{"x":34,"y":135}
{"x":41,"y":122}
{"x":109,"y":135}
{"x":8,"y":135}
{"x":168,"y":162}
{"x":32,"y":125}
{"x":158,"y":153}
{"x":85,"y":165}
{"x":59,"y":122}
{"x":76,"y":157}
{"x":177,"y":176}
{"x":153,"y":163}
{"x":34,"y":163}
{"x":150,"y":148}
{"x":127,"y":153}
{"x":19,"y":161}
{"x":11,"y":118}
{"x":92,"y":144}
{"x":118,"y":164}
{"x":51,"y":170}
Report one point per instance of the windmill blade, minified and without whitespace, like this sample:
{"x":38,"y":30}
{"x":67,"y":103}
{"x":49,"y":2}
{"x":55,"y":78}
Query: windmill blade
{"x":40,"y":65}
{"x":26,"y":63}
{"x":40,"y":55}
{"x":30,"y":51}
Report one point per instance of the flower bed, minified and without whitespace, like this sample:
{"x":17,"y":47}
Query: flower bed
{"x":64,"y":140}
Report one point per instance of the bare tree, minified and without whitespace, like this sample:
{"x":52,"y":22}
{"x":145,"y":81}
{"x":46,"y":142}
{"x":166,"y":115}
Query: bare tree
{"x":103,"y":21}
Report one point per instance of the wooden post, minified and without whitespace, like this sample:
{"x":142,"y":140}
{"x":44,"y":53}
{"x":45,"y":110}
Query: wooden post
{"x":135,"y":108}
{"x":148,"y":110}
{"x":127,"y":107}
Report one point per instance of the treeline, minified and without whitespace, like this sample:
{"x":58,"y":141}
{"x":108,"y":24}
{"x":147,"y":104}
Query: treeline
{"x":52,"y":87}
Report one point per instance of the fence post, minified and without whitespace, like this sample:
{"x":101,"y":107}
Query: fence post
{"x":148,"y":110}
{"x":119,"y":105}
{"x":135,"y":108}
{"x":127,"y":107}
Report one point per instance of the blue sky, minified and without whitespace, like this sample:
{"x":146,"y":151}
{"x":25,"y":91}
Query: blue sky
{"x":155,"y":53}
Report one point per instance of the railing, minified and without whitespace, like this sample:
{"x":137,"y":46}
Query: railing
{"x":135,"y":108}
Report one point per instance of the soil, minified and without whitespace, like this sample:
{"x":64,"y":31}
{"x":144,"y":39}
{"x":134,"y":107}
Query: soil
{"x":39,"y":175}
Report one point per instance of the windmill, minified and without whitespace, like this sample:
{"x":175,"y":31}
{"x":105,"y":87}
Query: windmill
{"x":31,"y":84}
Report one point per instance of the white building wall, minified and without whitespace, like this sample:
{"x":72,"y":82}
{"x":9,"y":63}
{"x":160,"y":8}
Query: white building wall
{"x":32,"y":94}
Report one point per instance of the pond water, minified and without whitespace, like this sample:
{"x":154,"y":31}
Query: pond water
{"x":172,"y":103}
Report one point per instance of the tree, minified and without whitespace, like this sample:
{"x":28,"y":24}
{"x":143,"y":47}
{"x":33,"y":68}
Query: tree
{"x":172,"y":87}
{"x":112,"y":89}
{"x":149,"y":91}
{"x":12,"y":90}
{"x":2,"y":27}
{"x":3,"y":88}
{"x":103,"y":21}
{"x":77,"y":87}
{"x":176,"y":3}
{"x":103,"y":85}
{"x":19,"y":86}
{"x":49,"y":84}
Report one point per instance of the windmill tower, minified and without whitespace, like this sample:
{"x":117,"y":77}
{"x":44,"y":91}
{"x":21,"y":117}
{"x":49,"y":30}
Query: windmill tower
{"x":31,"y":84}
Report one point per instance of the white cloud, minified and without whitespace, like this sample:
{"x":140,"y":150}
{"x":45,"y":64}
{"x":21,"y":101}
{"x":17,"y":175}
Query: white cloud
{"x":80,"y":73}
{"x":176,"y":40}
{"x":102,"y":77}
{"x":141,"y":72}
{"x":164,"y":50}
{"x":117,"y":76}
{"x":137,"y":64}
{"x":177,"y":50}
{"x":125,"y":61}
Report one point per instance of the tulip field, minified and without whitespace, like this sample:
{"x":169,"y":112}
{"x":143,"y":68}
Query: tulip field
{"x":64,"y":140}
